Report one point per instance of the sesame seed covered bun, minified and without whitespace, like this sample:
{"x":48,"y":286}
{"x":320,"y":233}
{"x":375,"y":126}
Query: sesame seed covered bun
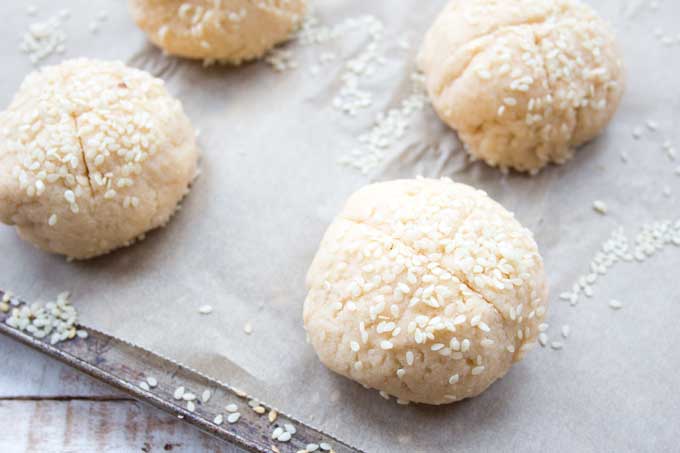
{"x":424,"y":289}
{"x":523,"y":82}
{"x":229,"y":31}
{"x":92,"y":155}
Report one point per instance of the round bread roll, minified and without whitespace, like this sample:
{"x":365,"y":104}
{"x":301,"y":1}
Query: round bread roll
{"x":424,"y":289}
{"x":92,"y":155}
{"x":228,"y":31}
{"x":523,"y":82}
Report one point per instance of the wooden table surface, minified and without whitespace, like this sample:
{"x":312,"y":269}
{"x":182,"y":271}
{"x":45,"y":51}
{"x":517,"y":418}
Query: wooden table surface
{"x":46,"y":406}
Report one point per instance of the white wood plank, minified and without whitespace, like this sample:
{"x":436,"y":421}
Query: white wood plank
{"x":85,"y":426}
{"x":100,"y":419}
{"x":25,"y":372}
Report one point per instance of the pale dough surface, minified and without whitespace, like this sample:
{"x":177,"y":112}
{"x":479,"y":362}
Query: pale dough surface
{"x":92,"y":155}
{"x":524,"y":82}
{"x":425,"y":289}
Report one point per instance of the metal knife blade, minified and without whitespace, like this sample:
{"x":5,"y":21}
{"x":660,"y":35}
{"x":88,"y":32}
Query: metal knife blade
{"x":125,"y":366}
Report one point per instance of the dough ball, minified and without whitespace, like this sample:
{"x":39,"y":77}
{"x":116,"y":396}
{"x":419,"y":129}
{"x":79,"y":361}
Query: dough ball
{"x":229,"y":31}
{"x":92,"y":155}
{"x":523,"y":82}
{"x":424,"y":289}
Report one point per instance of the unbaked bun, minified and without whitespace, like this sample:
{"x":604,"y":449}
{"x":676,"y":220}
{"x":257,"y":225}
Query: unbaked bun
{"x":522,"y":82}
{"x":92,"y":155}
{"x":228,"y":31}
{"x":424,"y":289}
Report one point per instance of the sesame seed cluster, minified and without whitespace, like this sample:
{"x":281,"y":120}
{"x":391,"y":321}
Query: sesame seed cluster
{"x":424,"y":289}
{"x":56,"y":321}
{"x":218,"y":31}
{"x":522,"y":82}
{"x":94,"y":154}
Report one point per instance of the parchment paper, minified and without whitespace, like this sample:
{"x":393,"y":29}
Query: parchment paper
{"x":271,"y":183}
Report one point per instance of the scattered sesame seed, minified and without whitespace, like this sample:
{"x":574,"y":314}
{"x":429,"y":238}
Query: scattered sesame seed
{"x":324,"y":446}
{"x":179,"y":393}
{"x":312,"y":447}
{"x":387,"y":131}
{"x":566,"y":330}
{"x":248,"y":328}
{"x":484,"y":74}
{"x":43,"y":39}
{"x":557,"y":345}
{"x":454,"y":379}
{"x":144,"y":386}
{"x":351,"y":99}
{"x":191,"y":406}
{"x":436,"y":347}
{"x":477,"y":370}
{"x":281,"y":59}
{"x":615,"y":304}
{"x":152,"y":382}
{"x":600,"y":206}
{"x":56,"y":320}
{"x":219,"y":419}
{"x":233,"y":418}
{"x":231,"y":407}
{"x":272,"y":416}
{"x":206,"y":396}
{"x":188,"y":396}
{"x":69,"y":195}
{"x":205,"y":309}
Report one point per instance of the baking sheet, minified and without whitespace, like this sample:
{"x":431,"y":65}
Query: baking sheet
{"x":270,"y":184}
